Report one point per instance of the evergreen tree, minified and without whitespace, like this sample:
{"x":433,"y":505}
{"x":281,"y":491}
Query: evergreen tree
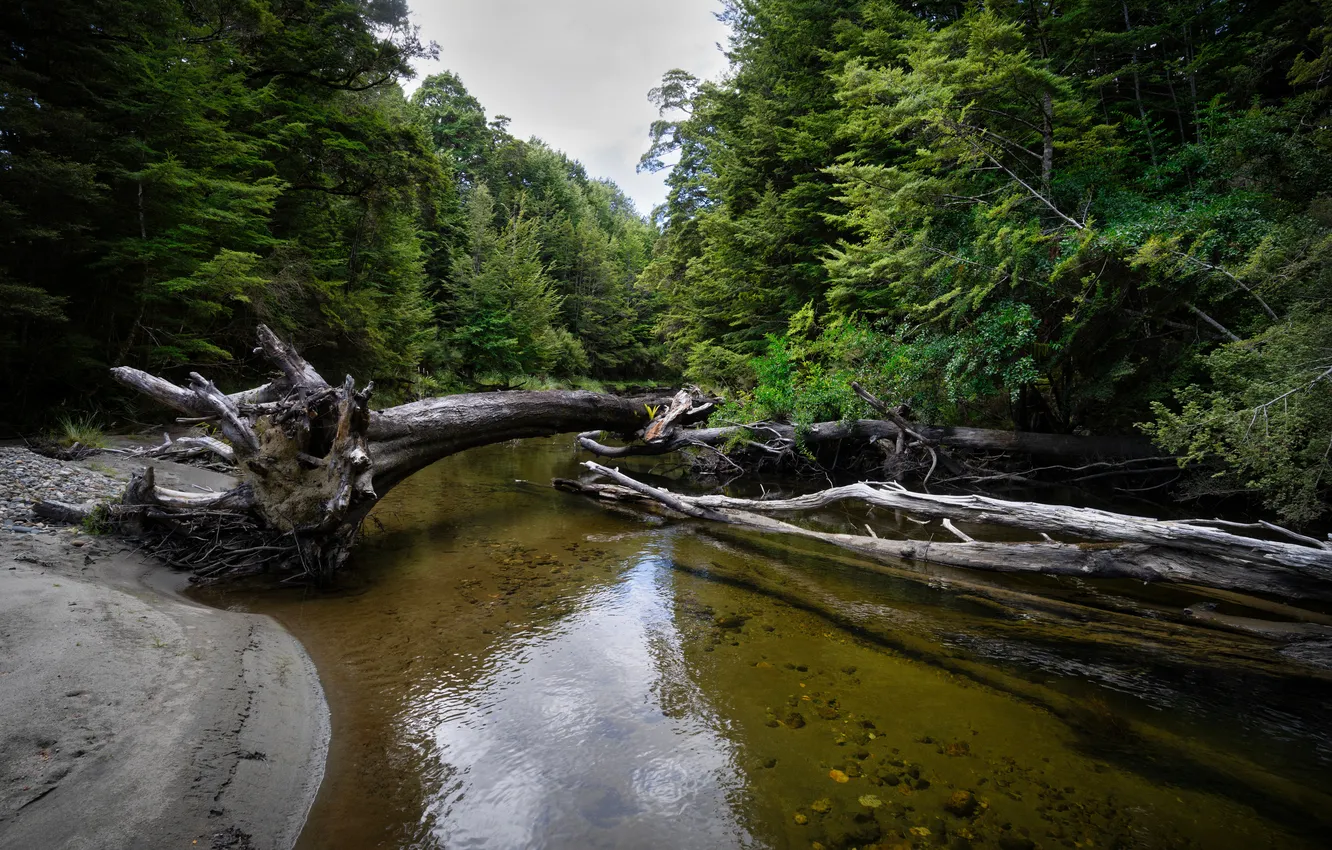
{"x":1075,"y":216}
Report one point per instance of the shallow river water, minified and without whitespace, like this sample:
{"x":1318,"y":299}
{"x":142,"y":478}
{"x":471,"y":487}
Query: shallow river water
{"x":509,"y":666}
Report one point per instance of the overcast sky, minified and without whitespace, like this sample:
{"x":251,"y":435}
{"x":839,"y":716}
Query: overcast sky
{"x":575,"y":72}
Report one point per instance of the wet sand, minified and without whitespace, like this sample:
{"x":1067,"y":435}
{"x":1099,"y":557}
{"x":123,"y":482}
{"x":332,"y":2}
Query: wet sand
{"x":132,"y":717}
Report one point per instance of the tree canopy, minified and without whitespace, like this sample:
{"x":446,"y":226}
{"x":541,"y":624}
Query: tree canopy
{"x":1084,"y":216}
{"x":1069,"y":216}
{"x":173,"y":172}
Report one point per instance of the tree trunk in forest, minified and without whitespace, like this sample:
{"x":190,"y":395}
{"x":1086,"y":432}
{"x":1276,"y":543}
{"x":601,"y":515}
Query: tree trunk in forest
{"x":1131,"y":547}
{"x":1137,"y":90}
{"x":1047,"y":142}
{"x":313,"y":459}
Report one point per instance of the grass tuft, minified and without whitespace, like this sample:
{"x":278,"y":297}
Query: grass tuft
{"x":83,"y":430}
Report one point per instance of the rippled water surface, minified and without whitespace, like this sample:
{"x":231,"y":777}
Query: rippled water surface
{"x":510,"y":666}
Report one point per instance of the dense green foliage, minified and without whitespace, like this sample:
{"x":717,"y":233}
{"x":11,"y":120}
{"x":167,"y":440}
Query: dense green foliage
{"x":540,"y":240}
{"x":1073,"y":216}
{"x":174,"y":171}
{"x":1083,"y":216}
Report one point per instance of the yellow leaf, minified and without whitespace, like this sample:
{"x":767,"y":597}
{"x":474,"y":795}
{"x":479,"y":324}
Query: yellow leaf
{"x":838,"y":776}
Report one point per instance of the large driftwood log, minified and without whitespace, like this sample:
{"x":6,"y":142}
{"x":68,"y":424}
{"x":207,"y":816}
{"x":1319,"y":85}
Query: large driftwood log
{"x":1134,"y":547}
{"x":892,"y":442}
{"x":313,"y":459}
{"x":771,"y":436}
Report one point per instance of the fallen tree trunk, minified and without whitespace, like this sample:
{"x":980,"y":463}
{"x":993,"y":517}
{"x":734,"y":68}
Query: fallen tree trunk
{"x":312,"y":459}
{"x":774,"y":435}
{"x":1135,"y":547}
{"x":894,"y":448}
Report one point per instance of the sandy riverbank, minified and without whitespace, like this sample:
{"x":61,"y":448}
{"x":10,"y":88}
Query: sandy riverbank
{"x":132,"y":717}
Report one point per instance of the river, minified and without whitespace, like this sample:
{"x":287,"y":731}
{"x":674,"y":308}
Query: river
{"x":509,"y":666}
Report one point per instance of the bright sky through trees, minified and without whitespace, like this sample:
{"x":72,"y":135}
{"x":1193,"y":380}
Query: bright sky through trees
{"x":575,"y":72}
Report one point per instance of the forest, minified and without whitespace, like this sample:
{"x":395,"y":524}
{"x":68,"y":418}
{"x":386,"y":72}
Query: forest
{"x":174,"y":172}
{"x":1091,"y":217}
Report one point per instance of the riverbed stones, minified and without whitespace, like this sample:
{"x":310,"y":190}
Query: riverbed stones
{"x":856,"y":831}
{"x":888,"y":777}
{"x":26,"y":477}
{"x":961,"y":803}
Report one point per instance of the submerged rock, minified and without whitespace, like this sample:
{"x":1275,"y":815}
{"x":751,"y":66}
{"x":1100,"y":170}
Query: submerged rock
{"x":961,"y":803}
{"x":795,"y":720}
{"x":859,"y":830}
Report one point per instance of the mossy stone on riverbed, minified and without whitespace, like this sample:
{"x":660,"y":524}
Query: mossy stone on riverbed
{"x":962,"y":803}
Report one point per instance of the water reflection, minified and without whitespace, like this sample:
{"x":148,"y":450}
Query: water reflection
{"x":509,"y":667}
{"x":572,"y":735}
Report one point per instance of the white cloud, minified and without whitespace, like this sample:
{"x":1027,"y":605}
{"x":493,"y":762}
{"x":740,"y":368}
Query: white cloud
{"x":576,"y":72}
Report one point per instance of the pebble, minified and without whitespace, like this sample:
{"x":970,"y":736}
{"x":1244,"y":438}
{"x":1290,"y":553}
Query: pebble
{"x":26,"y":477}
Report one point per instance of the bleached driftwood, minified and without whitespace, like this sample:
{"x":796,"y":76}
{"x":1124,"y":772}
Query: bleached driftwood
{"x":1122,"y":546}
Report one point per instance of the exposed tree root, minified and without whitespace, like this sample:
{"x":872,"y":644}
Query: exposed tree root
{"x":312,"y":459}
